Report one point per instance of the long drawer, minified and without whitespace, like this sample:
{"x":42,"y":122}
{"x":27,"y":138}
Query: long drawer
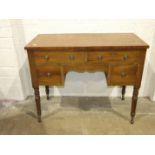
{"x":47,"y":57}
{"x":116,"y":56}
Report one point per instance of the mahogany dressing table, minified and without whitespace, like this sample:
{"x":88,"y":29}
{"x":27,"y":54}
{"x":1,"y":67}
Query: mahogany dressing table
{"x":120,"y":56}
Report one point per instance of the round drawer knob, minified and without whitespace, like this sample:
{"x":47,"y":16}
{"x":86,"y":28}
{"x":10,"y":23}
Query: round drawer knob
{"x":46,"y":57}
{"x":71,"y":57}
{"x":100,"y":57}
{"x":49,"y":74}
{"x":123,"y":74}
{"x":125,"y":57}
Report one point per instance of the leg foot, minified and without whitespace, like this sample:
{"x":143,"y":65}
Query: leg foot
{"x":134,"y":104}
{"x":132,"y":120}
{"x":47,"y":92}
{"x":123,"y":92}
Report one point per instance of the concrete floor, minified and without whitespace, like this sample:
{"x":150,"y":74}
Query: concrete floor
{"x":77,"y":115}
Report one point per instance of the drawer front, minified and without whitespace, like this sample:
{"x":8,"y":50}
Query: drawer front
{"x":42,"y":57}
{"x":49,"y":75}
{"x":105,"y":57}
{"x":122,"y":74}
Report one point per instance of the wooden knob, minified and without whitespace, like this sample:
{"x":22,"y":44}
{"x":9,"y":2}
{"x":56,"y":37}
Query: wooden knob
{"x":100,"y":57}
{"x":49,"y":74}
{"x":125,"y":57}
{"x":71,"y":57}
{"x":123,"y":74}
{"x":46,"y":57}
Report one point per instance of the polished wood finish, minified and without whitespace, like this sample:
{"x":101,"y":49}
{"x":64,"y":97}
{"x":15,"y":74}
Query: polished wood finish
{"x":47,"y":92}
{"x":120,"y":55}
{"x":99,"y":41}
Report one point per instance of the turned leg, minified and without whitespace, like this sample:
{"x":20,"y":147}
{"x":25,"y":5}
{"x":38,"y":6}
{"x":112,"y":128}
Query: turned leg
{"x":134,"y":103}
{"x":47,"y":92}
{"x":38,"y":106}
{"x":123,"y":92}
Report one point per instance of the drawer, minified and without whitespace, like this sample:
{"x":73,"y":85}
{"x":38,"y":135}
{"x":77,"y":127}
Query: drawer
{"x":44,"y":57}
{"x":50,"y":75}
{"x":122,"y":74}
{"x":103,"y":57}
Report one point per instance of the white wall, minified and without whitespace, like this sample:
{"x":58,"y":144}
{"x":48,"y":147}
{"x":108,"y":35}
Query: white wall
{"x":150,"y":72}
{"x":22,"y":31}
{"x":10,"y":82}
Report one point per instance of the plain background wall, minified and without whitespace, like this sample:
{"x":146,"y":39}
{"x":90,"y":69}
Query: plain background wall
{"x":14,"y":70}
{"x":10,"y":82}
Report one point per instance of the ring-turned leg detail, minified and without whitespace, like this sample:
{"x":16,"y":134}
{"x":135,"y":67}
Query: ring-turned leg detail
{"x":123,"y":92}
{"x":47,"y":92}
{"x":134,"y":104}
{"x":38,"y":106}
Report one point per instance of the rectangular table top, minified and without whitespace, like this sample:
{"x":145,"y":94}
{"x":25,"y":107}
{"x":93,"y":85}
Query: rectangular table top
{"x":88,"y":41}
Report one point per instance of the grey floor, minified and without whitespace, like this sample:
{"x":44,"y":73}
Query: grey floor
{"x":77,"y":115}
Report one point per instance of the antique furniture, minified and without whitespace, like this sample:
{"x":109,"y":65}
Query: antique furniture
{"x":120,"y":55}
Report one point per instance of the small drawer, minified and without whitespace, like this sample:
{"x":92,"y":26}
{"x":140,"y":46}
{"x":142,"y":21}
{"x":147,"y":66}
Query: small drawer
{"x":104,"y":57}
{"x":122,"y":74}
{"x":44,"y":57}
{"x":50,"y":75}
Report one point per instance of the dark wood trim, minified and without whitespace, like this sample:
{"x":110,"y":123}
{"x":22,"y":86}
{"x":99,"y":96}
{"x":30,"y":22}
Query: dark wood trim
{"x":47,"y":91}
{"x":123,"y":92}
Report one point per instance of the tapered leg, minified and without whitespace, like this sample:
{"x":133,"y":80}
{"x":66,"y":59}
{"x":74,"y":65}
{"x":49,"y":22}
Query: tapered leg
{"x":123,"y":92}
{"x":134,"y":104}
{"x":47,"y":92}
{"x":38,"y":106}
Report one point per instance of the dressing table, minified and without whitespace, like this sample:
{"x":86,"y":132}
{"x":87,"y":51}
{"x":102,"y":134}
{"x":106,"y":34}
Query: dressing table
{"x":120,"y":56}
